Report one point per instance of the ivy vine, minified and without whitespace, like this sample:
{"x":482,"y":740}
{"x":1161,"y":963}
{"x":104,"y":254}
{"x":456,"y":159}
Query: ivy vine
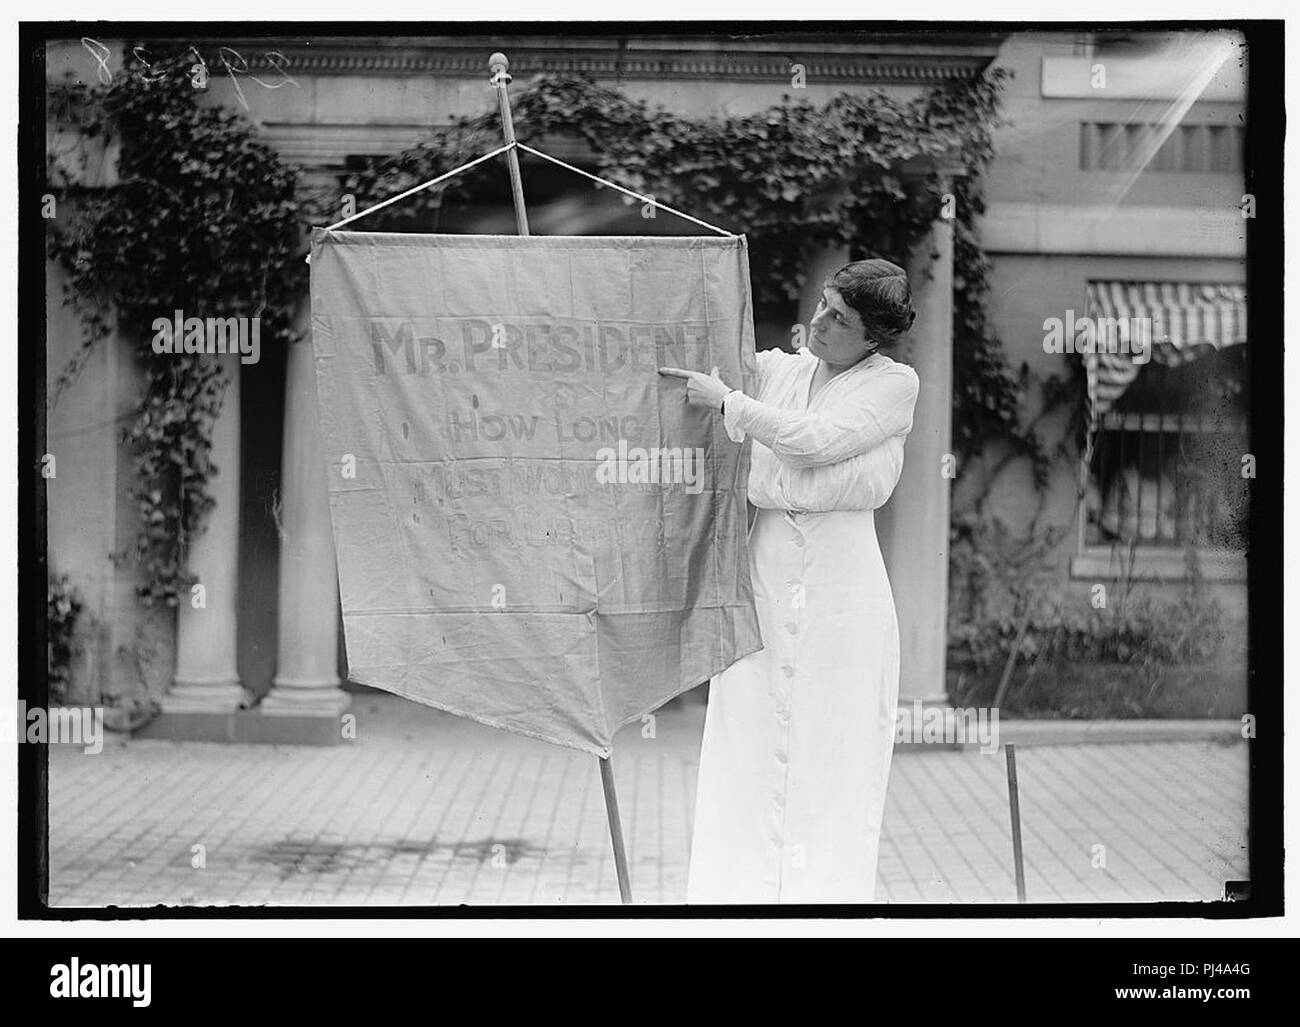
{"x":794,"y":178}
{"x":64,"y":606}
{"x":202,"y":217}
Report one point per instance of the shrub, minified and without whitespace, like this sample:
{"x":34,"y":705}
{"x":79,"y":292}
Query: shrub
{"x":63,"y":608}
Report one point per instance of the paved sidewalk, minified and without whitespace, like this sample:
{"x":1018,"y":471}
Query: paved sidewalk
{"x":427,"y":809}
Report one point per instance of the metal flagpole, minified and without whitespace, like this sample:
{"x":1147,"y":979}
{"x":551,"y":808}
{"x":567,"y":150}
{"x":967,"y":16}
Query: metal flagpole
{"x":1013,"y":793}
{"x":499,"y":66}
{"x":615,"y":828}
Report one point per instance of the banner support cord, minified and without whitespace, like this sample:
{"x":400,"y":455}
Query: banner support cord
{"x":500,"y":68}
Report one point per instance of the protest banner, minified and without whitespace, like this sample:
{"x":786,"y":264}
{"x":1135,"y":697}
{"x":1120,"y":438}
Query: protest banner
{"x":533,"y":529}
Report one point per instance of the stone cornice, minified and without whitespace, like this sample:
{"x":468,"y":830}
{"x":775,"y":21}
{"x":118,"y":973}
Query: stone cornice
{"x":918,"y":60}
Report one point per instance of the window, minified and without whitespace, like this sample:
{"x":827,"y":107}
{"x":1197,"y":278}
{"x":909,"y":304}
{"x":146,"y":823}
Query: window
{"x":1166,"y":461}
{"x":1135,"y":146}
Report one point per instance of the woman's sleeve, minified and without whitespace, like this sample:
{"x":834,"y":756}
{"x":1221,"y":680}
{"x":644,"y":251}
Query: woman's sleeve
{"x":767,"y":360}
{"x":881,"y":410}
{"x":862,"y":482}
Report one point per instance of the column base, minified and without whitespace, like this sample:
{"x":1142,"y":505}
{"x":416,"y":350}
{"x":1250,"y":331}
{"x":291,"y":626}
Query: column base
{"x":204,"y":697}
{"x":246,"y":727}
{"x":297,"y":699}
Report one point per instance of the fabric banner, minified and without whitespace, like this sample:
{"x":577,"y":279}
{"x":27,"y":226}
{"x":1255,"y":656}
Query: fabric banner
{"x":533,"y":528}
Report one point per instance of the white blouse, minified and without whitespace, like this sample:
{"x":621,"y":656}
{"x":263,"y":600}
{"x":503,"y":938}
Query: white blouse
{"x":843,"y":451}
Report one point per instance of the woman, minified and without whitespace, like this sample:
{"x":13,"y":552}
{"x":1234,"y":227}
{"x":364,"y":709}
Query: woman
{"x":798,"y":737}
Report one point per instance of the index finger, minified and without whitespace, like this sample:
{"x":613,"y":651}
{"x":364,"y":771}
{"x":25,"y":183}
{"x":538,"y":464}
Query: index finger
{"x":676,"y":372}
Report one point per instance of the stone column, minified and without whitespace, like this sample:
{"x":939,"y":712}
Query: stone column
{"x":306,"y":680}
{"x":914,"y":525}
{"x":824,"y":264}
{"x":207,"y":678}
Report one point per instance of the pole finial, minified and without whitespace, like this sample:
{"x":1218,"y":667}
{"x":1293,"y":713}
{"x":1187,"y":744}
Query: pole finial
{"x":498,"y":64}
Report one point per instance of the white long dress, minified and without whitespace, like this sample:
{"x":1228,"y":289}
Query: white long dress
{"x":798,"y":737}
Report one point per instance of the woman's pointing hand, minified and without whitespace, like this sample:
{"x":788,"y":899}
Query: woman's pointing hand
{"x":702,"y":390}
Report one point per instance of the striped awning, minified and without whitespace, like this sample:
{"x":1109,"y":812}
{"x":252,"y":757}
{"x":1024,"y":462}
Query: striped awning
{"x":1186,"y":319}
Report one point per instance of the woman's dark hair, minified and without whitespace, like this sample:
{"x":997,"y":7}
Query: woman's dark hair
{"x":878,"y":291}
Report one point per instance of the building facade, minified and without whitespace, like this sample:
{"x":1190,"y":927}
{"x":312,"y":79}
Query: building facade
{"x":1076,"y":214}
{"x":1117,"y":190}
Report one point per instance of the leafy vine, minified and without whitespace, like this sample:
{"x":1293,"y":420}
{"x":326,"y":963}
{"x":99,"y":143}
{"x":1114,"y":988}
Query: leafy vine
{"x":794,"y":178}
{"x":64,"y":605}
{"x":203,"y":218}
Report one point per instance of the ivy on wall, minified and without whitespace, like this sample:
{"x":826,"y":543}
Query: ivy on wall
{"x":202,"y":218}
{"x":207,"y":219}
{"x":64,"y":606}
{"x":795,"y":178}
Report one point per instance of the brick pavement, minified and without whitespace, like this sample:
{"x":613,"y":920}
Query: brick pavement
{"x":426,"y":809}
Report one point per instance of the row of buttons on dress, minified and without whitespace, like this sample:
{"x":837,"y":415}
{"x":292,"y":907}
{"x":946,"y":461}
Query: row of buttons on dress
{"x":795,"y":586}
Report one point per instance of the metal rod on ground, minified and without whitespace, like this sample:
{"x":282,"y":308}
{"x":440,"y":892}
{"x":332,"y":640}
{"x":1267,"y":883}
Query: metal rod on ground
{"x":615,"y":830}
{"x":500,"y":68}
{"x":1005,"y":681}
{"x":1013,"y":789}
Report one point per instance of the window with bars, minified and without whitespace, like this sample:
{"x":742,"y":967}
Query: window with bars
{"x":1167,"y":454}
{"x":1128,"y":146}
